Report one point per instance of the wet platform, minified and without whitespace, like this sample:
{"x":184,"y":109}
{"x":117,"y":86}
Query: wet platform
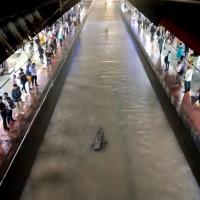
{"x":189,"y":113}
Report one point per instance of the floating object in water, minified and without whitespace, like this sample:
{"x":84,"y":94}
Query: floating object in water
{"x":99,"y":141}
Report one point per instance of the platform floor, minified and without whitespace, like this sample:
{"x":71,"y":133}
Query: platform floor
{"x":108,"y":87}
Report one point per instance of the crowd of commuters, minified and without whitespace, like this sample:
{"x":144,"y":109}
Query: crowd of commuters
{"x":25,"y":80}
{"x":184,"y":56}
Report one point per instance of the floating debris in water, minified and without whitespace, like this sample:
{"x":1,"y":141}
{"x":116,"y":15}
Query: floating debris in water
{"x":99,"y":141}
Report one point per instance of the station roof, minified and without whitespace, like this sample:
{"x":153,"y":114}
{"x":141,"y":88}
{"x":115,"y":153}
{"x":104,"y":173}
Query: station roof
{"x":21,"y":19}
{"x":179,"y":16}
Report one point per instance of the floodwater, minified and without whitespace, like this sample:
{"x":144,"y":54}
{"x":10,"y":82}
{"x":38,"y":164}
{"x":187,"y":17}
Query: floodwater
{"x":108,"y":87}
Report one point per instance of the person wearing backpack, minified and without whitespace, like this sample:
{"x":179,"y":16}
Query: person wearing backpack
{"x":167,"y":60}
{"x":3,"y":111}
{"x":23,"y":79}
{"x":10,"y":106}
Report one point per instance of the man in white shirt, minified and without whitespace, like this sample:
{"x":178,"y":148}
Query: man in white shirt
{"x":188,"y":78}
{"x":33,"y":72}
{"x":66,"y":28}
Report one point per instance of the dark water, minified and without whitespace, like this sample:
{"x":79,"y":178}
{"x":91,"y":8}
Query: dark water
{"x":108,"y":87}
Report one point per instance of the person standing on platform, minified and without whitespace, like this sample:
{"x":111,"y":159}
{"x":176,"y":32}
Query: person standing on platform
{"x":67,"y":27}
{"x":51,"y":47}
{"x":10,"y":106}
{"x":158,"y":33}
{"x":78,"y":18}
{"x":13,"y":79}
{"x":179,"y":51}
{"x":186,"y":51}
{"x":167,"y":60}
{"x":28,"y":74}
{"x":152,"y":31}
{"x":179,"y":72}
{"x":42,"y":38}
{"x":29,"y":52}
{"x":183,"y":62}
{"x":188,"y":78}
{"x":160,"y":44}
{"x":145,"y":23}
{"x":171,"y":38}
{"x":4,"y":114}
{"x":16,"y":95}
{"x":74,"y":19}
{"x":48,"y":55}
{"x":54,"y":43}
{"x":37,"y":41}
{"x":33,"y":72}
{"x":56,"y":32}
{"x":139,"y":21}
{"x":23,"y":79}
{"x":60,"y":37}
{"x":41,"y":54}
